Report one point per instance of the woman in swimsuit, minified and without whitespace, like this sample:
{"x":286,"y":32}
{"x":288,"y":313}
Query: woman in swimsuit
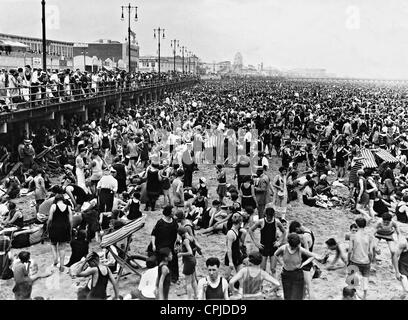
{"x":101,"y":275}
{"x":252,"y":278}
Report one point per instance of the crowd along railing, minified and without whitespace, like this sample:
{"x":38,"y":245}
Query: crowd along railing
{"x":14,"y":99}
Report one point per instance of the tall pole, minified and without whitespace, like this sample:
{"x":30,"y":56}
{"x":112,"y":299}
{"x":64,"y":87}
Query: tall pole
{"x":129,"y":7}
{"x":159,"y":30}
{"x":174,"y":44}
{"x":44,"y":38}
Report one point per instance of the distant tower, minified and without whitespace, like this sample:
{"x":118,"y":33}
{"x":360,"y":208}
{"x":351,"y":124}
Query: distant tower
{"x":238,"y":64}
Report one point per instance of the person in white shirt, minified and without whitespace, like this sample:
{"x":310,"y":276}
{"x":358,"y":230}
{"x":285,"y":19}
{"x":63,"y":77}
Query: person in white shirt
{"x":107,"y":187}
{"x":147,"y":285}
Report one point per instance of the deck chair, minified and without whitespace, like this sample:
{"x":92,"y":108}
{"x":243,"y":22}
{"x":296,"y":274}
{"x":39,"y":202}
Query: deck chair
{"x":113,"y":238}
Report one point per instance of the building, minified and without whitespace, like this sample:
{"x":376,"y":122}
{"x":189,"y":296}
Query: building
{"x":306,"y":73}
{"x":151,"y":64}
{"x":106,"y":53}
{"x":223,"y":67}
{"x":238,"y":63}
{"x":18,"y":51}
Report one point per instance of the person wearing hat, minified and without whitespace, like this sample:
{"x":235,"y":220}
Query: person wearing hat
{"x":100,"y":276}
{"x":27,"y":153}
{"x":252,"y":277}
{"x":107,"y":187}
{"x":202,"y":187}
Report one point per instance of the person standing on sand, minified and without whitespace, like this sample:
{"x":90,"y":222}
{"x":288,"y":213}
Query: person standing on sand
{"x":400,"y":263}
{"x":163,"y":278}
{"x":292,"y":273}
{"x":40,"y":193}
{"x":269,"y":241}
{"x":164,"y":235}
{"x":236,"y":250}
{"x":252,"y":277}
{"x":59,"y":229}
{"x":361,"y":253}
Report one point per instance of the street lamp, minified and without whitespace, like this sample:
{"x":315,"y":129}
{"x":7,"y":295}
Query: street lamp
{"x":44,"y":38}
{"x":158,"y":42}
{"x":174,"y":44}
{"x":129,"y":7}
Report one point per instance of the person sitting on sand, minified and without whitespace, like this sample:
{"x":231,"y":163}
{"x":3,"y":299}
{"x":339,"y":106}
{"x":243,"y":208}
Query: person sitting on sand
{"x":79,"y":248}
{"x":340,"y":253}
{"x":218,"y":218}
{"x":147,"y":284}
{"x":23,"y":279}
{"x":14,"y":220}
{"x":100,"y":276}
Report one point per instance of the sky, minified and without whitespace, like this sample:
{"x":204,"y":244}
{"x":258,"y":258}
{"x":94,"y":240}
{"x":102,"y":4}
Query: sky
{"x":356,"y":38}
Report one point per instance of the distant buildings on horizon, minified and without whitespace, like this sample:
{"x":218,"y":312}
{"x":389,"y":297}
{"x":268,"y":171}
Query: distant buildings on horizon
{"x":238,"y":68}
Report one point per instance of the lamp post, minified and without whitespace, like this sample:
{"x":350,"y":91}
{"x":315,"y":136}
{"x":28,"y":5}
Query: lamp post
{"x":129,"y":7}
{"x":174,"y":44}
{"x":159,"y":31}
{"x":44,"y":38}
{"x":183,"y":49}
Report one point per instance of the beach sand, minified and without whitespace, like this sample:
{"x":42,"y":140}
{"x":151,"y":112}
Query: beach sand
{"x":324,"y":223}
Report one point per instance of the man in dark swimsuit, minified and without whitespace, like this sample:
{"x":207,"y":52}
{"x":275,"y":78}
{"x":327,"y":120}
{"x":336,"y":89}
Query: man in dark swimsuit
{"x":234,"y":257}
{"x":213,"y":287}
{"x":268,"y":243}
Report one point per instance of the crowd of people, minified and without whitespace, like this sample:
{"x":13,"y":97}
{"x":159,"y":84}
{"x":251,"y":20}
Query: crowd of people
{"x":28,"y":86}
{"x":117,"y":168}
